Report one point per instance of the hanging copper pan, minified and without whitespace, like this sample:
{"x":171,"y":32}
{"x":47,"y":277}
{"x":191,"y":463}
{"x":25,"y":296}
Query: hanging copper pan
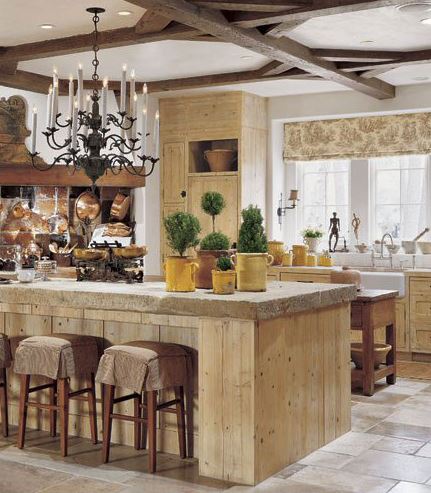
{"x":87,"y":207}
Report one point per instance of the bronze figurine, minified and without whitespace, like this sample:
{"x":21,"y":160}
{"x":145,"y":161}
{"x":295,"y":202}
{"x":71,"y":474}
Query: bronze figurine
{"x":334,"y":228}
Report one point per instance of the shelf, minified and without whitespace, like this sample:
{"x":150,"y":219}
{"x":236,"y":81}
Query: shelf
{"x":210,"y":173}
{"x":25,"y":174}
{"x":197,"y":162}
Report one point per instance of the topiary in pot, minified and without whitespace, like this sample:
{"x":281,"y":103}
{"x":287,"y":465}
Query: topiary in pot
{"x":182,"y":230}
{"x":224,"y":276}
{"x":213,"y":203}
{"x":252,"y":258}
{"x":215,"y":244}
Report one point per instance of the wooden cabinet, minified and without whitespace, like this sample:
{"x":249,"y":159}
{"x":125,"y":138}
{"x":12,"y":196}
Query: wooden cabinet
{"x":420,"y":314}
{"x":224,"y":120}
{"x":174,"y":173}
{"x":227,"y":221}
{"x":293,"y":277}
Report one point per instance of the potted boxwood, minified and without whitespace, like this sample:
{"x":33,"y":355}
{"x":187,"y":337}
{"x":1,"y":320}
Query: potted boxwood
{"x":223,"y":276}
{"x":182,"y":230}
{"x":312,"y":238}
{"x":252,"y":258}
{"x":213,"y":245}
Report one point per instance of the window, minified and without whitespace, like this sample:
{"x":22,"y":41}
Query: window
{"x":399,"y":191}
{"x":324,"y":189}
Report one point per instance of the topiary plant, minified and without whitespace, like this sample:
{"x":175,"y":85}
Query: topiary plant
{"x":252,"y":238}
{"x":224,"y":263}
{"x":215,"y":241}
{"x":212,"y":203}
{"x":182,"y":231}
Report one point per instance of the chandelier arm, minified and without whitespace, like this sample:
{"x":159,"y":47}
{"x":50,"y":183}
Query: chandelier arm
{"x":68,"y":122}
{"x":53,"y":144}
{"x":40,"y":166}
{"x":121,"y":144}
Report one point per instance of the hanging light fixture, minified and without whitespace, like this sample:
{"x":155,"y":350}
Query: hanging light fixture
{"x":91,"y":144}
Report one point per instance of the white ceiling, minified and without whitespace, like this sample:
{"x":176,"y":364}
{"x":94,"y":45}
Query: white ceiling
{"x":20,"y":20}
{"x":156,"y":61}
{"x":387,"y":28}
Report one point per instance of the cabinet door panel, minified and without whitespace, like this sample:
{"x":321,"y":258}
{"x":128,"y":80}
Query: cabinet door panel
{"x":227,"y":221}
{"x":174,"y":172}
{"x":292,"y":277}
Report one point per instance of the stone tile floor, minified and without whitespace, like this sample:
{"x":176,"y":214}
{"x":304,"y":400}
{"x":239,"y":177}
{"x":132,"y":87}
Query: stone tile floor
{"x":388,"y":449}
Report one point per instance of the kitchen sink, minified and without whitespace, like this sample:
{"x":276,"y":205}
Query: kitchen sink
{"x":384,"y":280}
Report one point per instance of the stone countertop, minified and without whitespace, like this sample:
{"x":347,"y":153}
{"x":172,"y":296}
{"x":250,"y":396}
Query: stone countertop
{"x":281,"y":298}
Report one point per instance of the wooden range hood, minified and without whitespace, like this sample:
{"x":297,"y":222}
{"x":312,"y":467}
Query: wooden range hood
{"x":26,"y":175}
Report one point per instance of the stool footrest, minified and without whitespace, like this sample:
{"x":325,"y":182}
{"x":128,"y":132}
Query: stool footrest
{"x":41,"y":387}
{"x":41,"y":405}
{"x":168,"y":404}
{"x":125,"y":417}
{"x":127,"y":397}
{"x":76,"y":393}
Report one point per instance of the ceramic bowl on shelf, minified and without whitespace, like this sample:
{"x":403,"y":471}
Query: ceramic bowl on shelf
{"x":409,"y":247}
{"x":393,"y":249}
{"x":424,"y":247}
{"x":380,"y":352}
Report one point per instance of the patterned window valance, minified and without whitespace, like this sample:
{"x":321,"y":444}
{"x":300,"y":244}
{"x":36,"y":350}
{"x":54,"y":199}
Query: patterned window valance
{"x":355,"y":138}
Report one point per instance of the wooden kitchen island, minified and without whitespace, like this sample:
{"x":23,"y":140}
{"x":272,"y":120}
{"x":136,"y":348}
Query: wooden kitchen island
{"x":272,"y":375}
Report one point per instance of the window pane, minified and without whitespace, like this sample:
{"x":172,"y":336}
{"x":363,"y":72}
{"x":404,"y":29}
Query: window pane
{"x":337,"y":189}
{"x":413,"y":182}
{"x":388,"y":187}
{"x":412,"y":221}
{"x":314,"y":189}
{"x":388,"y":218}
{"x":313,"y":217}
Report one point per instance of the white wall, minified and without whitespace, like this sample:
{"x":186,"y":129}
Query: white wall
{"x":324,"y":106}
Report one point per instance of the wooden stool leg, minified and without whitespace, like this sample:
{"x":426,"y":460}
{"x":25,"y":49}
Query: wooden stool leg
{"x":189,"y":419}
{"x":3,"y":404}
{"x":152,"y":430}
{"x":144,"y":424}
{"x":23,"y":399}
{"x":102,"y":402}
{"x":53,"y":412}
{"x":137,"y":424}
{"x":108,"y":406}
{"x":368,"y":361}
{"x":92,"y":410}
{"x":181,"y":423}
{"x":391,"y":357}
{"x":63,"y":404}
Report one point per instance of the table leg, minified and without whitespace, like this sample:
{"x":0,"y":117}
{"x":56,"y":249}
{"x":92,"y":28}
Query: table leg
{"x":368,"y":361}
{"x":391,"y":357}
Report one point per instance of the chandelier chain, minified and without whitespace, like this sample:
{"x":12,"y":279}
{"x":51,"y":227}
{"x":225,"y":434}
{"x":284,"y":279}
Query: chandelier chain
{"x":95,"y":62}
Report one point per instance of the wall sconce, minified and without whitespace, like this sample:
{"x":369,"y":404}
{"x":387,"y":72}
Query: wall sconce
{"x":281,"y":211}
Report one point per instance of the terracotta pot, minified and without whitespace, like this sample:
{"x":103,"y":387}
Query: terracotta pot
{"x":276,"y":249}
{"x":223,"y":281}
{"x":346,"y":276}
{"x":207,"y":260}
{"x":380,"y":352}
{"x":251,"y":269}
{"x":220,"y":160}
{"x":180,"y":274}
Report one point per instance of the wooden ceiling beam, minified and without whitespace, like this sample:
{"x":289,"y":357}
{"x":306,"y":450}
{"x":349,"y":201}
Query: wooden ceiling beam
{"x":8,"y":68}
{"x":151,"y":22}
{"x":283,"y":50}
{"x":28,"y":81}
{"x":252,"y":5}
{"x":84,"y":42}
{"x":316,"y":9}
{"x":340,"y":55}
{"x":282,"y":29}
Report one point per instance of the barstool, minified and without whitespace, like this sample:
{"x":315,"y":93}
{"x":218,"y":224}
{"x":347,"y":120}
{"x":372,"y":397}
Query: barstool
{"x":5,"y":360}
{"x":145,"y":368}
{"x":58,"y":357}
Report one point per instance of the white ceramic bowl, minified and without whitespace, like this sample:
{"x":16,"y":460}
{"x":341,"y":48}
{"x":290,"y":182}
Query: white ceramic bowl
{"x":409,"y":246}
{"x":393,"y":248}
{"x":425,"y":247}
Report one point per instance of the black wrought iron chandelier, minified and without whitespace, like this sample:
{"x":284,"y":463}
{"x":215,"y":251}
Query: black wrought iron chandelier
{"x":90,"y":144}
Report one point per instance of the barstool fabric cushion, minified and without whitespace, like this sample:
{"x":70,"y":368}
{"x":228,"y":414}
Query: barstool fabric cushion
{"x":145,"y":366}
{"x":57,"y":356}
{"x":5,"y":355}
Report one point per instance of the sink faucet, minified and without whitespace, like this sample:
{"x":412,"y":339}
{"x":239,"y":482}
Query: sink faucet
{"x":382,"y":252}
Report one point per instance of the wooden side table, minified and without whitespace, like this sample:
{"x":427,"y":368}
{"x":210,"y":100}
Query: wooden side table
{"x":374,"y":309}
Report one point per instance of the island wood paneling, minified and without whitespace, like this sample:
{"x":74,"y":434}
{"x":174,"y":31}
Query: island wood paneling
{"x":265,"y":393}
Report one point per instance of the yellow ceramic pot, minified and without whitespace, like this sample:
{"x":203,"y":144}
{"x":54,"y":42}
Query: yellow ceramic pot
{"x":287,"y":259}
{"x":251,"y":269}
{"x":180,"y":274}
{"x":300,"y":254}
{"x":311,"y":260}
{"x":276,"y":249}
{"x":223,"y":281}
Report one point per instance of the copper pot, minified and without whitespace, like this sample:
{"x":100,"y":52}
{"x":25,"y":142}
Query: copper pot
{"x":132,"y":251}
{"x":90,"y":254}
{"x":87,"y":207}
{"x":120,"y":206}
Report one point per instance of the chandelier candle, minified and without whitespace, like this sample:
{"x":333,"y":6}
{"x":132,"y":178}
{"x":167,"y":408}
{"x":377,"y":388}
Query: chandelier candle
{"x":33,"y":130}
{"x":92,"y":143}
